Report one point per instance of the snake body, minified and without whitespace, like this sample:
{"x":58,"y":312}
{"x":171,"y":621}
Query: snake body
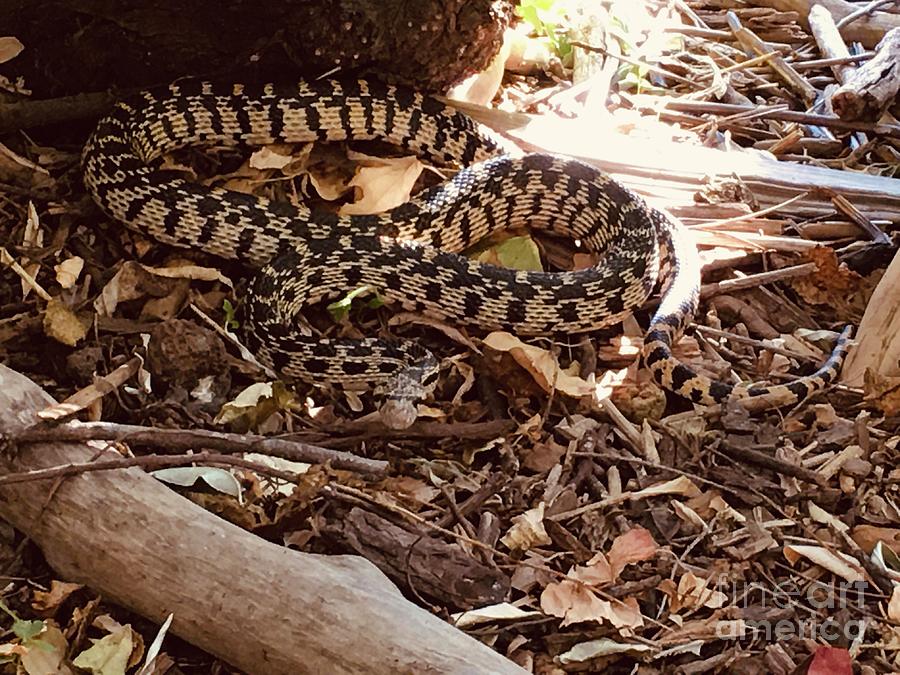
{"x":411,"y":254}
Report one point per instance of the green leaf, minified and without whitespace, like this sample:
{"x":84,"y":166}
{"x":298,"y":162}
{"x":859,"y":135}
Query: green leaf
{"x":230,"y":322}
{"x":519,"y":253}
{"x":529,"y":15}
{"x":25,"y":630}
{"x":341,"y":308}
{"x":544,"y":17}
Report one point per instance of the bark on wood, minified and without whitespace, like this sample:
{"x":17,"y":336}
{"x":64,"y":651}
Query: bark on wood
{"x":671,"y":173}
{"x":261,"y":607}
{"x":424,"y":565}
{"x":91,"y":45}
{"x":878,"y":337}
{"x":872,"y":89}
{"x":867,"y":30}
{"x":829,"y":40}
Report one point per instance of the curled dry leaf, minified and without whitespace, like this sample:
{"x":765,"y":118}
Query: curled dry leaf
{"x":592,"y":649}
{"x":679,"y":486}
{"x":630,"y":547}
{"x":481,"y":88}
{"x":49,"y":601}
{"x":692,"y":592}
{"x":10,"y":48}
{"x":840,"y":564}
{"x":575,"y":602}
{"x":68,"y":271}
{"x":893,"y":609}
{"x":527,"y":530}
{"x":32,"y":237}
{"x":830,"y":661}
{"x":541,"y":365}
{"x":269,"y":158}
{"x":134,"y":280}
{"x":820,"y":515}
{"x":383,"y":182}
{"x":868,"y":536}
{"x":492,"y":614}
{"x":111,"y":654}
{"x":46,"y":653}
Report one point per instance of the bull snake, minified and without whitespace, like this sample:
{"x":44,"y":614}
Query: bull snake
{"x":411,"y":253}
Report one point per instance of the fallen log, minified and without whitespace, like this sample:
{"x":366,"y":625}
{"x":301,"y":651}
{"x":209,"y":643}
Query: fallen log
{"x":260,"y":607}
{"x":872,"y":88}
{"x":671,"y":173}
{"x":868,"y":29}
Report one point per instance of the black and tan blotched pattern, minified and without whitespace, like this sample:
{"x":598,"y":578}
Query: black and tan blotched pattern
{"x":410,"y":254}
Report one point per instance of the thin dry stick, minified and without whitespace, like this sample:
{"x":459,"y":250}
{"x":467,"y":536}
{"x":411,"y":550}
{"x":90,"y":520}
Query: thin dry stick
{"x":755,"y":214}
{"x":85,"y":397}
{"x":704,"y":107}
{"x":181,"y":440}
{"x":760,"y":344}
{"x":836,"y":61}
{"x":754,"y":280}
{"x":791,"y":77}
{"x":151,"y":462}
{"x":7,"y":259}
{"x":771,"y":462}
{"x":863,"y":11}
{"x":634,"y":62}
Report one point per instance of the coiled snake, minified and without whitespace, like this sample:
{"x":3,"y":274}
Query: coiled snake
{"x":411,"y":253}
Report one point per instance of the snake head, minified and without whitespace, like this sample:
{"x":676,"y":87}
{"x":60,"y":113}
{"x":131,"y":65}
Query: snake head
{"x":402,"y":392}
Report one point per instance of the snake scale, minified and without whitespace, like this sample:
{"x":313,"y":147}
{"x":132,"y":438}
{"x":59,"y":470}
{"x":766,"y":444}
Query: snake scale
{"x":411,"y":253}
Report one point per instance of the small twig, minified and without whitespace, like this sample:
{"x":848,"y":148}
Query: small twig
{"x":150,"y":462}
{"x":30,"y":113}
{"x":490,"y":487}
{"x":713,"y":224}
{"x":634,"y":62}
{"x":754,"y":280}
{"x":836,"y":61}
{"x":705,"y":107}
{"x":7,"y":259}
{"x":83,"y":398}
{"x":363,"y":431}
{"x":751,"y":41}
{"x":760,"y":344}
{"x":770,"y":462}
{"x":180,"y":440}
{"x":863,"y":11}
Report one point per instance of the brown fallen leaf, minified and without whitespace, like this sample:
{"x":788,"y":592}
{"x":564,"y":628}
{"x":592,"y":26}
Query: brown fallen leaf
{"x":527,"y":530}
{"x":541,"y":364}
{"x":574,"y":602}
{"x":868,"y":536}
{"x":832,"y":284}
{"x":49,"y":601}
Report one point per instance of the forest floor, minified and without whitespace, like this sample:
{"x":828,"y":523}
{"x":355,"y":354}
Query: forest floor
{"x":550,"y":500}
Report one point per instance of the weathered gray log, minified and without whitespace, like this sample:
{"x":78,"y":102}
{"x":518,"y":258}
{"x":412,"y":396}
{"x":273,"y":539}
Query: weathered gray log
{"x":139,"y":544}
{"x":872,"y":88}
{"x":868,"y":30}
